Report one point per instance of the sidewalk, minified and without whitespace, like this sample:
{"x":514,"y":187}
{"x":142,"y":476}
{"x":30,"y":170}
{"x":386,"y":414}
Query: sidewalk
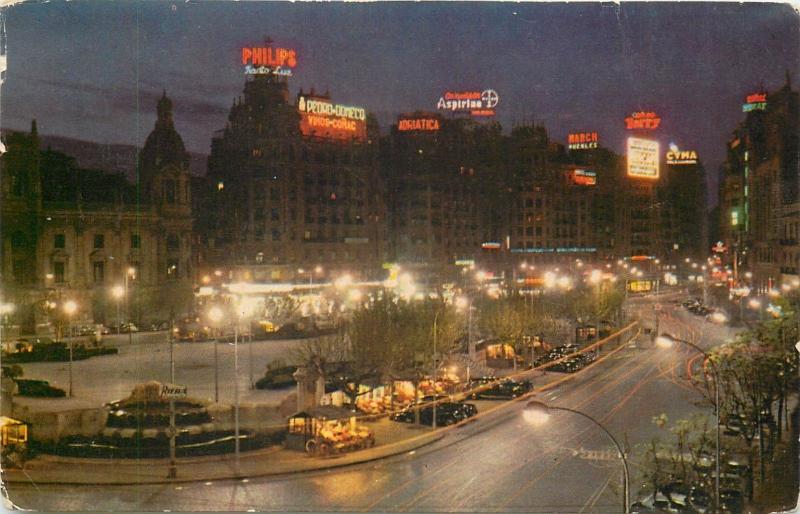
{"x":393,"y":438}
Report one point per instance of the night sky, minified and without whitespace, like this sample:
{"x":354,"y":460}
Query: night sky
{"x":93,"y":70}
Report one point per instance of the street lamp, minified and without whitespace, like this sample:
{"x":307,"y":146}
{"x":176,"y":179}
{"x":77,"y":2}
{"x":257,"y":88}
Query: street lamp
{"x":118,"y":292}
{"x":595,"y":277}
{"x":130,"y":274}
{"x":538,"y":413}
{"x":70,"y":308}
{"x":668,"y":342}
{"x":5,"y":310}
{"x":215,"y":315}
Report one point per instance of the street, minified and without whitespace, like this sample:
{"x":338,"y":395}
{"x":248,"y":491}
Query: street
{"x":499,"y":463}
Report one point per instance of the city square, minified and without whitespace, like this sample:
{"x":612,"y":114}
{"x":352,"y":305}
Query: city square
{"x":400,"y":257}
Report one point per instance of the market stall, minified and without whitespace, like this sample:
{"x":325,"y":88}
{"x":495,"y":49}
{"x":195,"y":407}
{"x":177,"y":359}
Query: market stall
{"x":327,"y":430}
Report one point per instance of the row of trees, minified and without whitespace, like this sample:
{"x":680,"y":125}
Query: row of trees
{"x":757,"y":375}
{"x":389,"y":339}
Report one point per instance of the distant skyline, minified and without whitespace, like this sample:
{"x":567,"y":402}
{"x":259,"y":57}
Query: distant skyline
{"x":93,"y":71}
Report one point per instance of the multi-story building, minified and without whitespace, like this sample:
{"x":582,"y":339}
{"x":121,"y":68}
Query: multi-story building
{"x":442,"y":183}
{"x":73,"y":234}
{"x":551,"y":209}
{"x":682,"y":199}
{"x":760,"y":185}
{"x":280,"y":197}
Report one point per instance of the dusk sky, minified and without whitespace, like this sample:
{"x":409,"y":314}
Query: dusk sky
{"x":93,"y":70}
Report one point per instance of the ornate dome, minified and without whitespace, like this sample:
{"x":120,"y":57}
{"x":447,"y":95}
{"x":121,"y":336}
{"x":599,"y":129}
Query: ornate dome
{"x":164,"y":145}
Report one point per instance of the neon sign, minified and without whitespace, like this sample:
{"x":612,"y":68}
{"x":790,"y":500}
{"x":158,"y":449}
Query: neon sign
{"x":642,"y":158}
{"x":477,"y":103}
{"x":319,"y":117}
{"x":755,"y":102}
{"x":583,"y":177}
{"x":676,"y":156}
{"x":422,"y":123}
{"x":642,"y":121}
{"x":267,"y":60}
{"x":582,"y":141}
{"x":490,"y":246}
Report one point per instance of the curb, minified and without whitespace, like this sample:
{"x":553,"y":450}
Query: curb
{"x":20,"y":476}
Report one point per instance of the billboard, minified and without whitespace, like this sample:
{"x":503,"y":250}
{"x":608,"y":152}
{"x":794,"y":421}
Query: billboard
{"x":266,"y":60}
{"x":423,"y":122}
{"x":676,"y":156}
{"x":755,"y":102}
{"x":582,"y":141}
{"x":583,"y":177}
{"x":477,"y":103}
{"x":642,"y":158}
{"x":642,"y":121}
{"x":319,"y":117}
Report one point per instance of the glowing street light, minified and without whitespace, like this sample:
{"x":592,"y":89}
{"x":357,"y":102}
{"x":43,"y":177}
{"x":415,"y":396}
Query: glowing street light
{"x":215,"y":314}
{"x":595,"y":276}
{"x":70,"y":308}
{"x":538,"y":414}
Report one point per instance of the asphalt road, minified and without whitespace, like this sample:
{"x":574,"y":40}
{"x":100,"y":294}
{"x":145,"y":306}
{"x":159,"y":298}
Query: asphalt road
{"x":495,"y":464}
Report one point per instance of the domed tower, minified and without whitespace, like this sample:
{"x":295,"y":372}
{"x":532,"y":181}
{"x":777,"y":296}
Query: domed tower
{"x":166,"y":187}
{"x":164,"y":163}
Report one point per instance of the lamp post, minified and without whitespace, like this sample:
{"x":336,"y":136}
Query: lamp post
{"x":595,"y":277}
{"x":130,"y":273}
{"x":118,"y":292}
{"x":215,"y":315}
{"x":435,"y":321}
{"x":70,"y":307}
{"x":537,"y":413}
{"x":667,"y":342}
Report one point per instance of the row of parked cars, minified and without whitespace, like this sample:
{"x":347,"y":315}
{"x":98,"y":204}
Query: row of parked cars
{"x":121,"y":328}
{"x":447,"y":412}
{"x":450,"y":412}
{"x":568,"y":365}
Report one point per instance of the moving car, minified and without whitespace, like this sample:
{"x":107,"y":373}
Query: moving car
{"x":493,"y":389}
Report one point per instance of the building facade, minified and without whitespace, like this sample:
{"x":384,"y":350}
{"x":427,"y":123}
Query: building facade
{"x":278,"y":200}
{"x":74,"y":234}
{"x":759,"y":191}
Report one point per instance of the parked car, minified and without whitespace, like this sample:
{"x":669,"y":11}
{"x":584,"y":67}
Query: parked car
{"x":447,"y":413}
{"x":494,"y":389}
{"x":124,"y":328}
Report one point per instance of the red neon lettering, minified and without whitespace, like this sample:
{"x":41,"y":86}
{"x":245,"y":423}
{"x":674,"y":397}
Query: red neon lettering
{"x":246,"y":55}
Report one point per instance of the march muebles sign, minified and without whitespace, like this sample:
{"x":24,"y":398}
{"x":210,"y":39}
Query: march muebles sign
{"x":320,"y":117}
{"x":643,"y":157}
{"x":582,"y":141}
{"x":476,"y":103}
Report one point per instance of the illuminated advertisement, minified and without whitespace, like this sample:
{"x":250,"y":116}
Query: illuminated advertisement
{"x":267,"y":60}
{"x":755,"y":102}
{"x":418,"y":123}
{"x":583,"y":177}
{"x":477,"y":103}
{"x":319,"y":117}
{"x":564,"y":249}
{"x":490,"y":246}
{"x":582,"y":141}
{"x":642,"y":158}
{"x":640,"y":286}
{"x":642,"y":121}
{"x":719,"y":247}
{"x":677,"y":157}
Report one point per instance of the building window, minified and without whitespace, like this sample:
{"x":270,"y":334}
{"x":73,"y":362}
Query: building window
{"x":98,"y":271}
{"x":18,"y":240}
{"x":172,"y":242}
{"x":59,"y":241}
{"x":274,"y":215}
{"x":172,"y":269}
{"x":135,"y":241}
{"x":169,"y":191}
{"x":58,"y":272}
{"x":99,"y":241}
{"x":276,"y":235}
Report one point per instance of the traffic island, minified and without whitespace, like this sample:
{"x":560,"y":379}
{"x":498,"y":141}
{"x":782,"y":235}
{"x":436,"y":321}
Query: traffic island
{"x":391,"y":439}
